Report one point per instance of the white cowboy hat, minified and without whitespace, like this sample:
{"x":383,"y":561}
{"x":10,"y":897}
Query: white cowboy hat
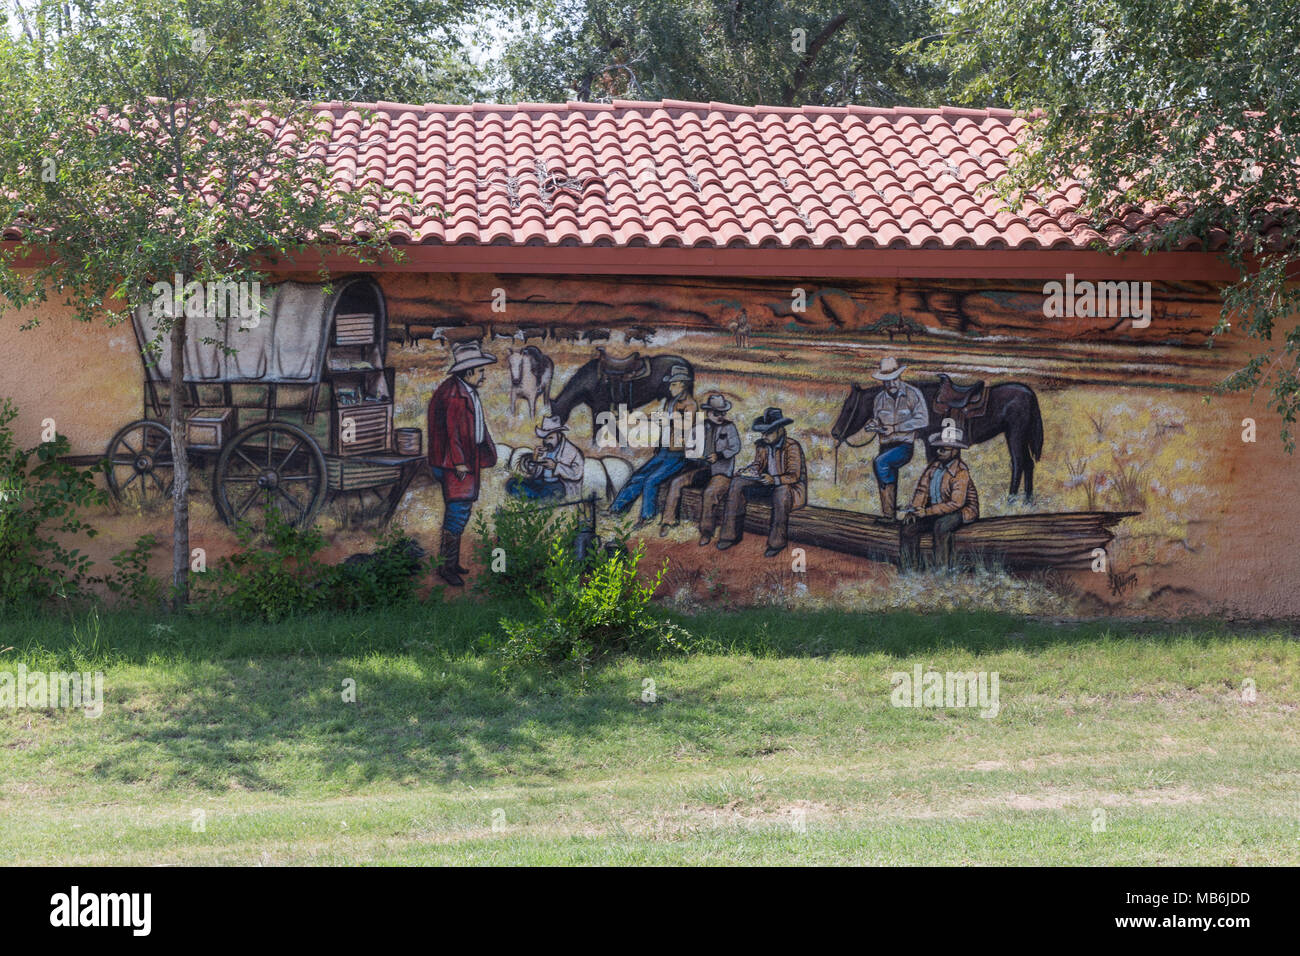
{"x":678,"y":373}
{"x":889,"y":369}
{"x":550,"y":425}
{"x":716,"y":402}
{"x":467,"y":355}
{"x":956,"y":439}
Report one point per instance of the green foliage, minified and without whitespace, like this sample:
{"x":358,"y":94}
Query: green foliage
{"x":41,"y":502}
{"x":720,"y":50}
{"x":146,"y":139}
{"x":585,"y":614}
{"x":525,"y":532}
{"x":1189,"y":105}
{"x":277,"y":575}
{"x":131,"y":582}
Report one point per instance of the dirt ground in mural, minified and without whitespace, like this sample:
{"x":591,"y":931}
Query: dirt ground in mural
{"x":1148,"y":445}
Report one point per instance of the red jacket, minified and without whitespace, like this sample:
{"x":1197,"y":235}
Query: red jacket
{"x":451,"y":440}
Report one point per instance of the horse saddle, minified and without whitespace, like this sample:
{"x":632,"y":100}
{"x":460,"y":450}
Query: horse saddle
{"x":622,"y":369}
{"x":970,"y":401}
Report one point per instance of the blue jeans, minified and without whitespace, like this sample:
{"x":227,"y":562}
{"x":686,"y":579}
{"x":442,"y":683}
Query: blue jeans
{"x":455,"y":513}
{"x":535,"y":489}
{"x":890,"y":459}
{"x":645,"y":481}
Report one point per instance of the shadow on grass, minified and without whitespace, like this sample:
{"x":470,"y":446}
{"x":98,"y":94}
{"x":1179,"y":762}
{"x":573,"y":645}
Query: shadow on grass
{"x":225,"y":706}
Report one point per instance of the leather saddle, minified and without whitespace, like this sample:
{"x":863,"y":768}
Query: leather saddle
{"x":622,"y":369}
{"x":970,"y":401}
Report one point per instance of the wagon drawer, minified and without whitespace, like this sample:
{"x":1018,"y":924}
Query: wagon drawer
{"x":370,"y":431}
{"x":346,"y":474}
{"x":354,"y":328}
{"x":207,"y":429}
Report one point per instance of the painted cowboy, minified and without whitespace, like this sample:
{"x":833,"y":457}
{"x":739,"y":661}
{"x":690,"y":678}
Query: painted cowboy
{"x":945,"y":500}
{"x":678,"y":415}
{"x":898,"y":414}
{"x":712,"y":472}
{"x":558,"y":466}
{"x":459,"y":448}
{"x":777,"y":476}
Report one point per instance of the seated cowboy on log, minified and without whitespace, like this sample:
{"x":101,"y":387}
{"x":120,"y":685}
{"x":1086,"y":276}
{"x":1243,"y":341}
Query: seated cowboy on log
{"x":712,"y":472}
{"x":899,"y":412}
{"x":678,"y":415}
{"x":777,"y":476}
{"x":555,"y":468}
{"x":945,"y":500}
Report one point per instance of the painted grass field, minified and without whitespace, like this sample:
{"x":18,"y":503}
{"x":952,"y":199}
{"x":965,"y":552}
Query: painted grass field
{"x":1114,"y":743}
{"x":1154,"y":446}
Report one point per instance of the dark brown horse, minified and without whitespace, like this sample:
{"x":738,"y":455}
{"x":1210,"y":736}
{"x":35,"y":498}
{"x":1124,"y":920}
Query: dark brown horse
{"x":1012,"y":411}
{"x":602,"y":393}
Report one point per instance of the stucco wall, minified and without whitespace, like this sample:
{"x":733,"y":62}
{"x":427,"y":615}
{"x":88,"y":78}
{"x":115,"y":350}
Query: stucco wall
{"x":85,"y":376}
{"x":1127,"y":427}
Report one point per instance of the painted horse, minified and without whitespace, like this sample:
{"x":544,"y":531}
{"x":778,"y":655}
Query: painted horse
{"x":530,"y":378}
{"x":1009,"y":409}
{"x":606,"y":382}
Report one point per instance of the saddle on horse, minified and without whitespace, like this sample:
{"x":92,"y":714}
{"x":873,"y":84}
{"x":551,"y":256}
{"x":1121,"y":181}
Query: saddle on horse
{"x":619,"y":373}
{"x":960,"y":401}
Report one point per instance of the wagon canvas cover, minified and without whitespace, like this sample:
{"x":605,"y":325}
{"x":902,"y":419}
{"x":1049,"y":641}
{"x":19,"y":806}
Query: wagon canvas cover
{"x":287,"y":344}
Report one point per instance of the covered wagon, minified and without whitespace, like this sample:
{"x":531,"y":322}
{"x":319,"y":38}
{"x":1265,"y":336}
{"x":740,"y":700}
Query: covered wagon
{"x":288,"y":407}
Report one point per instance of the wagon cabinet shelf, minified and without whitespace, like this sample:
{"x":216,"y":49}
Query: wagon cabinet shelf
{"x":253,"y":400}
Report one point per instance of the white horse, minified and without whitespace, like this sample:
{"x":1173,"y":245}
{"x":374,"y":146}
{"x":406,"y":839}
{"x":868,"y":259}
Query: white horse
{"x":530,"y":378}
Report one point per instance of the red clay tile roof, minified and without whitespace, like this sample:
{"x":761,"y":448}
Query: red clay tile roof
{"x":673,"y":174}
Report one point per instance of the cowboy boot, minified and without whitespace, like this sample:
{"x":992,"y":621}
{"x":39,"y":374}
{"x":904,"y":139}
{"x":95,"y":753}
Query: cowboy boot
{"x":889,"y":501}
{"x":450,"y":559}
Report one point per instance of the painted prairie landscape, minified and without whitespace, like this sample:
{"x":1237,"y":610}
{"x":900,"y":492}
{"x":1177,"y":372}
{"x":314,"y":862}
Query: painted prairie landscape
{"x":1129,"y":421}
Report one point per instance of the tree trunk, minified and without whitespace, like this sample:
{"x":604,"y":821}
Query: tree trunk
{"x":181,"y":473}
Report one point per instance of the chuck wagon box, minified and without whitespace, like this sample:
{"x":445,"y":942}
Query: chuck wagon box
{"x":287,"y":408}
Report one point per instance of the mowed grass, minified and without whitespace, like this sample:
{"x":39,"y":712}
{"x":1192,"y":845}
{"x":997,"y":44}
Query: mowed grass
{"x":1127,"y":744}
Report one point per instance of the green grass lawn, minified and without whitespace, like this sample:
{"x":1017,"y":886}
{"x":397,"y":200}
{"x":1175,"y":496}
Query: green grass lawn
{"x":232,"y":744}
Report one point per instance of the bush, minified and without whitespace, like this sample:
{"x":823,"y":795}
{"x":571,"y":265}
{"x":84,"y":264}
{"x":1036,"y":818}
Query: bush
{"x":40,"y":507}
{"x":525,"y":532}
{"x":131,"y":582}
{"x":587,"y":613}
{"x":284,"y":577}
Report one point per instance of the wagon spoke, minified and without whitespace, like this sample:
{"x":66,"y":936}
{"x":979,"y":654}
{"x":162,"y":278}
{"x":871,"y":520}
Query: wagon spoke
{"x":252,"y":464}
{"x":301,"y":509}
{"x":158,"y":481}
{"x":285,"y":460}
{"x":127,"y":445}
{"x":127,"y":483}
{"x":244,"y":507}
{"x":284,"y":478}
{"x":241,"y":479}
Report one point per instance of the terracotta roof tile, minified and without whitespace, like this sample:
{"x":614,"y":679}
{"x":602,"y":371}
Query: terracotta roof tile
{"x":703,"y":175}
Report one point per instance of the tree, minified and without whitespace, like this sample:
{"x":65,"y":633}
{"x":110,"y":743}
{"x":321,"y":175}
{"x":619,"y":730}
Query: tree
{"x":1191,"y":105}
{"x":146,"y":139}
{"x":787,"y":52}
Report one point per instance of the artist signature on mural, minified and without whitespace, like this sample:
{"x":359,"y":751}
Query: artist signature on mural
{"x":1120,"y":583}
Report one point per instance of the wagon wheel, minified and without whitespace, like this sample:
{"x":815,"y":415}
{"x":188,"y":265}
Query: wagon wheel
{"x":140,"y":464}
{"x":270,"y":465}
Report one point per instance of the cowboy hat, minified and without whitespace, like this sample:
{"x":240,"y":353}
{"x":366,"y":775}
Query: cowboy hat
{"x":956,"y":439}
{"x":678,"y":373}
{"x":889,"y":369}
{"x":467,"y":355}
{"x":550,"y":425}
{"x":715,"y":403}
{"x":772,"y":420}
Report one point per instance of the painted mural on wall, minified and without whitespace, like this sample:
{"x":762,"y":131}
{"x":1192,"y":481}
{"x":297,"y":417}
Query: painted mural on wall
{"x":876,"y":445}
